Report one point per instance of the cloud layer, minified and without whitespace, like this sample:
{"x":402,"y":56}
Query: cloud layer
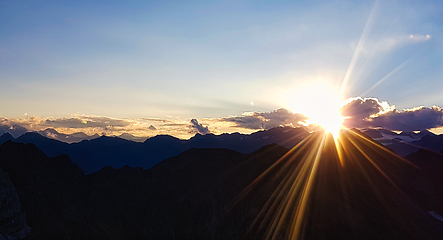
{"x":371,"y":113}
{"x":359,"y":112}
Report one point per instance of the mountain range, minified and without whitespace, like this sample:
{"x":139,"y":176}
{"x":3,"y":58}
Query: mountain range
{"x":365,"y":192}
{"x":92,"y":155}
{"x":405,"y":143}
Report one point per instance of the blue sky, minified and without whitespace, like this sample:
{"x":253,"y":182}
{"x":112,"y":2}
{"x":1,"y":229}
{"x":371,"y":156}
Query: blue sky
{"x":204,"y":59}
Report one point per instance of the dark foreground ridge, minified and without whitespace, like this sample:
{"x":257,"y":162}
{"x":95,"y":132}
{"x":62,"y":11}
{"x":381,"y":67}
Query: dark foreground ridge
{"x":200,"y":194}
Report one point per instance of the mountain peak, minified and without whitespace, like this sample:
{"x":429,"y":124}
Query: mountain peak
{"x":6,"y":137}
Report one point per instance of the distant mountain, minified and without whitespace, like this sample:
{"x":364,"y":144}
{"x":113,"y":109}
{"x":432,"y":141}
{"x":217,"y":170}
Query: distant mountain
{"x":418,"y":135}
{"x":14,"y":130}
{"x":51,"y":147}
{"x":68,"y":138}
{"x":386,"y":135}
{"x":374,"y":133}
{"x":246,"y":143}
{"x":92,"y":155}
{"x":5,"y":137}
{"x":400,"y":147}
{"x":367,"y":193}
{"x":131,"y":137}
{"x":432,"y":142}
{"x":403,"y":143}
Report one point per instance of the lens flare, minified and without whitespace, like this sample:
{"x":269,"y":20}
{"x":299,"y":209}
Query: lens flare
{"x":321,"y":184}
{"x":320,"y":102}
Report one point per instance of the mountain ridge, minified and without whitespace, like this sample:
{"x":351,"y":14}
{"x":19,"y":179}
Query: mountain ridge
{"x":91,"y":155}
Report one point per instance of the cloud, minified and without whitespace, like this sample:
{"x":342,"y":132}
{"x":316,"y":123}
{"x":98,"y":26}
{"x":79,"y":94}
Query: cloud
{"x":87,"y":124}
{"x":391,"y":43}
{"x":86,"y":121}
{"x":409,"y":119}
{"x":419,"y":38}
{"x":267,"y":120}
{"x":198,"y":128}
{"x":358,"y":110}
{"x":370,"y":112}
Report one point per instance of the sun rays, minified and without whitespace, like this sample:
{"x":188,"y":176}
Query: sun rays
{"x":336,"y":178}
{"x":320,"y":176}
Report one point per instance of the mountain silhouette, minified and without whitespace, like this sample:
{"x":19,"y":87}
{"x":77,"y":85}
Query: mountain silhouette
{"x":318,"y":190}
{"x":131,"y":137}
{"x":61,"y":202}
{"x":405,"y":143}
{"x":5,"y":137}
{"x":68,"y":138}
{"x":92,"y":155}
{"x":431,"y":142}
{"x":14,"y":130}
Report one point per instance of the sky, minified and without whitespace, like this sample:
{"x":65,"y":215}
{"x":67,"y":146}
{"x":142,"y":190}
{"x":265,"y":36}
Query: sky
{"x":184,"y":67}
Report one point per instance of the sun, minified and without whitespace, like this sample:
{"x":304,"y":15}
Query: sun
{"x":331,"y":124}
{"x":320,"y":102}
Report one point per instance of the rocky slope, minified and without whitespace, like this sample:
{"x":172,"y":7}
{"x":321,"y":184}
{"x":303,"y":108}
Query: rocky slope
{"x":12,"y":219}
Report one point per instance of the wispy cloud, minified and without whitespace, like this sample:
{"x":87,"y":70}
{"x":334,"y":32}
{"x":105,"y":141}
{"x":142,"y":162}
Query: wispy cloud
{"x":392,"y":43}
{"x":419,"y":38}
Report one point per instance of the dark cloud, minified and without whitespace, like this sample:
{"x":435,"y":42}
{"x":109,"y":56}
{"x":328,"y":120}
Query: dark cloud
{"x":198,"y":128}
{"x":267,"y":120}
{"x":361,"y":108}
{"x":409,"y":120}
{"x":370,"y":112}
{"x":101,"y":122}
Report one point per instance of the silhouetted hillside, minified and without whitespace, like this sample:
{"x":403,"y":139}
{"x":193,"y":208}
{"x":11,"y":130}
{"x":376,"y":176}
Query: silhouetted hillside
{"x":167,"y":201}
{"x":12,"y":219}
{"x":366,"y":192}
{"x":362,"y":191}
